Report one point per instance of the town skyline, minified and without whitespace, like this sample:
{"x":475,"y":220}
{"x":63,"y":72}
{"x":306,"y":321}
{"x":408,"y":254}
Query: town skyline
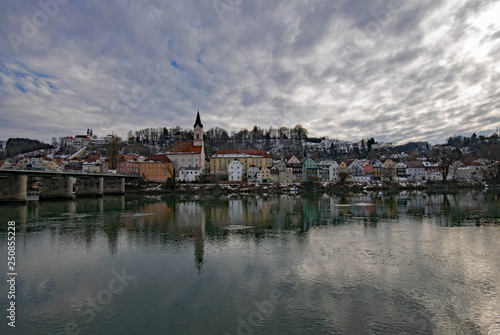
{"x":393,"y":71}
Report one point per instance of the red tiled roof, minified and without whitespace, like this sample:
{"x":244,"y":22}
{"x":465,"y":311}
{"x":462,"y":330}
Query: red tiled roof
{"x":158,"y":159}
{"x":252,"y":152}
{"x":125,"y":158}
{"x":184,"y":147}
{"x":95,"y":158}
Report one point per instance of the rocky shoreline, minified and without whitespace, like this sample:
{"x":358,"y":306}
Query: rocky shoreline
{"x":305,"y":187}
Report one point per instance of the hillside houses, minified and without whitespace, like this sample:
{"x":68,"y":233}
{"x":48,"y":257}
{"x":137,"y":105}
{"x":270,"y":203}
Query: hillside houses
{"x":181,"y":155}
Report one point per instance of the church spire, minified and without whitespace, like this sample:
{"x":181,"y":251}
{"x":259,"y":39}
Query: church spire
{"x":198,"y":132}
{"x":198,"y":120}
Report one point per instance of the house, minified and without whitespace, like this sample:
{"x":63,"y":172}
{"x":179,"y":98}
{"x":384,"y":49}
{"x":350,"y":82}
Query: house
{"x":323,"y":171}
{"x":189,"y":154}
{"x":368,"y":168}
{"x":328,"y":169}
{"x":189,"y":174}
{"x":51,"y":165}
{"x":309,"y":169}
{"x":265,"y":174}
{"x":294,"y":164}
{"x":235,"y":170}
{"x":285,"y":174}
{"x":401,"y":170}
{"x":378,"y":170}
{"x":157,"y":168}
{"x":274,"y":174}
{"x":389,"y":172}
{"x":247,"y":157}
{"x":259,"y":178}
{"x":91,"y":167}
{"x":128,"y":165}
{"x":252,"y":173}
{"x":434,"y":175}
{"x":31,"y":163}
{"x":361,"y":179}
{"x":430,"y":167}
{"x":355,"y":168}
{"x":74,"y":166}
{"x":471,"y":171}
{"x":343,"y":168}
{"x":415,"y":170}
{"x":280,"y":165}
{"x":7,"y":164}
{"x":105,"y":167}
{"x":432,"y":171}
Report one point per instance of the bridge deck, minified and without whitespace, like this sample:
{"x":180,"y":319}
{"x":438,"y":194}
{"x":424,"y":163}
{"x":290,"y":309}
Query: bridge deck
{"x":35,"y":173}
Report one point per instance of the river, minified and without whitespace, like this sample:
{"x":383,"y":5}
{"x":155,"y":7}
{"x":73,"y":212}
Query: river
{"x":413,"y":263}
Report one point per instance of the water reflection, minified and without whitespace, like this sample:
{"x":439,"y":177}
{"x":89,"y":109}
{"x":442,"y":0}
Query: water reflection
{"x":369,"y":263}
{"x":165,"y":218}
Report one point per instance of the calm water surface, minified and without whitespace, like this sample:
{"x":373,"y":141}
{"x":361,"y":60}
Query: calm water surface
{"x":371,"y":264}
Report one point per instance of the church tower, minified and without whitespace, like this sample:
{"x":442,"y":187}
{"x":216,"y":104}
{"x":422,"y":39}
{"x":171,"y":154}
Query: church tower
{"x":198,"y":132}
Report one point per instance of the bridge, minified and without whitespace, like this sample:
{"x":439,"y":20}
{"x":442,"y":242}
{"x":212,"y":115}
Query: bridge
{"x":60,"y":185}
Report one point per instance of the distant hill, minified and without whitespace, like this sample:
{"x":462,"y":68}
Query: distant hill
{"x":16,"y":146}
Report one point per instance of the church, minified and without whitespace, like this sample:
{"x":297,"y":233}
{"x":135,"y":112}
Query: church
{"x":189,"y":155}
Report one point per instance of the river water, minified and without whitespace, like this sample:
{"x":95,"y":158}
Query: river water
{"x":412,"y":263}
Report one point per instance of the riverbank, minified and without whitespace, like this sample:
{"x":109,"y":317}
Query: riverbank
{"x":305,"y":187}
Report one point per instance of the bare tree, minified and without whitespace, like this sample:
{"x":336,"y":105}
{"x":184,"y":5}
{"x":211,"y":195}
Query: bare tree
{"x":445,"y":156}
{"x":491,"y":155}
{"x":113,"y":151}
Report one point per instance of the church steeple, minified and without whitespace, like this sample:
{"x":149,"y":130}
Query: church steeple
{"x":198,"y":132}
{"x":198,"y":120}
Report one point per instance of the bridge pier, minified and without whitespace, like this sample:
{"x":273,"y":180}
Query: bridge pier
{"x":90,"y":187}
{"x":13,"y":189}
{"x":56,"y":188}
{"x":114,"y":186}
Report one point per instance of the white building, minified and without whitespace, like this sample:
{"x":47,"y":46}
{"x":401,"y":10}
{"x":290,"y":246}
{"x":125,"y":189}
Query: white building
{"x":235,"y":171}
{"x":434,"y":175}
{"x":189,"y":174}
{"x":473,"y":171}
{"x":401,"y":170}
{"x":189,"y":154}
{"x":252,"y":173}
{"x":356,"y":168}
{"x":415,"y":170}
{"x":79,"y":141}
{"x":361,"y":179}
{"x":332,"y":167}
{"x":339,"y":146}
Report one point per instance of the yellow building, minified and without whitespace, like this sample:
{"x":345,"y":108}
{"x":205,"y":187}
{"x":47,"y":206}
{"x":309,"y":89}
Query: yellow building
{"x":343,"y":168}
{"x":390,"y":171}
{"x":222,"y":158}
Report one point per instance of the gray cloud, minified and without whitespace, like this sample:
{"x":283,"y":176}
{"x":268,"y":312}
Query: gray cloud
{"x":394,"y":70}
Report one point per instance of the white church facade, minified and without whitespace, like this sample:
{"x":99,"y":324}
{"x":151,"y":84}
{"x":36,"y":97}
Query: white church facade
{"x":189,"y":154}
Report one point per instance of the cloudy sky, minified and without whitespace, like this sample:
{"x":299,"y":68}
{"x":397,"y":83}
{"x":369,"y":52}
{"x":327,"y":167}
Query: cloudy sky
{"x":391,"y":69}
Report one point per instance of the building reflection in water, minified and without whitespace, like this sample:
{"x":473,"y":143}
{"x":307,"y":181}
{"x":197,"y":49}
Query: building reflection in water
{"x":147,"y":221}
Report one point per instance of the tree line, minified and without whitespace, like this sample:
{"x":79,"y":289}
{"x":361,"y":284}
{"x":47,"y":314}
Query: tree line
{"x":16,"y":146}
